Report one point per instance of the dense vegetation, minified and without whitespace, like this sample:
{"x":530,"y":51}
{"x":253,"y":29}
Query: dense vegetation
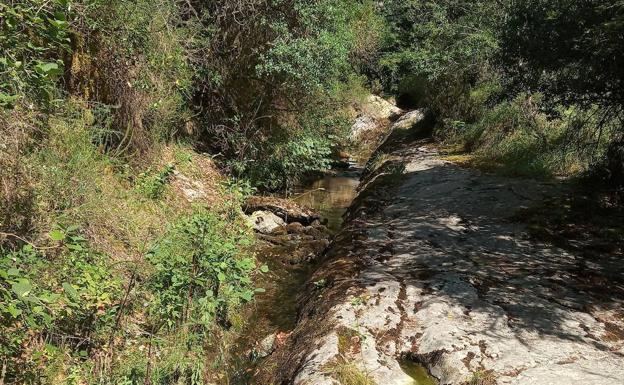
{"x":533,"y":87}
{"x":104,"y":265}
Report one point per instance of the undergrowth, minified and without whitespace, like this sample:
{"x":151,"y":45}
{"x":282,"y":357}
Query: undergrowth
{"x":108,"y":273}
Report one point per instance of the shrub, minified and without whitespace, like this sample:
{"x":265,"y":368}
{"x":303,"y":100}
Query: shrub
{"x":54,"y":304}
{"x":200,"y":275}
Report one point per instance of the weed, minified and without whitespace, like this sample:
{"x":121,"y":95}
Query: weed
{"x":349,"y":374}
{"x":482,"y":378}
{"x":152,"y":184}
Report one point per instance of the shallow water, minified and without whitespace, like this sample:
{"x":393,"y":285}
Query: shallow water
{"x":331,"y":195}
{"x":418,"y":373}
{"x":275,"y":310}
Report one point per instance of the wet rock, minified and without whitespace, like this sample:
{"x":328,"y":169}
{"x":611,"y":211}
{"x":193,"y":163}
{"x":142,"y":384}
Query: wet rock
{"x":319,"y":231}
{"x":287,"y":210}
{"x":265,"y":222}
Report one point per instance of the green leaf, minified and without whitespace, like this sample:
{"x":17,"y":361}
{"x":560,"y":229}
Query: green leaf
{"x":75,"y":247}
{"x":264,"y":268}
{"x":22,"y":288}
{"x":260,"y":290}
{"x":15,"y":312}
{"x":69,"y":289}
{"x":247,"y":295}
{"x":13,"y":272}
{"x":7,"y":100}
{"x":57,"y":235}
{"x":48,"y":69}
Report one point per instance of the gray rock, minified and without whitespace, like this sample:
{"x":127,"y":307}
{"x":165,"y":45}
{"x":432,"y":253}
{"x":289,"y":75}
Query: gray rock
{"x":265,"y":222}
{"x":266,"y":347}
{"x":375,"y":113}
{"x":442,"y":275}
{"x":408,"y":120}
{"x":379,"y":108}
{"x":361,"y":125}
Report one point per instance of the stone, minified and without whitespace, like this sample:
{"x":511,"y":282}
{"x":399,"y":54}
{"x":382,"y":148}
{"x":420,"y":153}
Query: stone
{"x":286,"y":209}
{"x":361,"y":125}
{"x":295,"y":228}
{"x":265,"y":222}
{"x":441,"y":275}
{"x":375,"y":113}
{"x":408,"y":120}
{"x":266,"y":346}
{"x":379,"y":108}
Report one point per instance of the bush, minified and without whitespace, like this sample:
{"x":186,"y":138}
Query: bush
{"x":271,"y":76}
{"x":54,"y":304}
{"x":200,"y":275}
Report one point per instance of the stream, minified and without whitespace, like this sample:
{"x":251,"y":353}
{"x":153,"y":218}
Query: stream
{"x":275,"y":310}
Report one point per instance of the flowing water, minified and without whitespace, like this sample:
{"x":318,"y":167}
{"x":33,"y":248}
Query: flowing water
{"x":275,"y":310}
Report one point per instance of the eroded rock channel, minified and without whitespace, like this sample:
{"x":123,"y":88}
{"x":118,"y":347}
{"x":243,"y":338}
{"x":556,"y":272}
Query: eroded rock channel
{"x":431,"y":280}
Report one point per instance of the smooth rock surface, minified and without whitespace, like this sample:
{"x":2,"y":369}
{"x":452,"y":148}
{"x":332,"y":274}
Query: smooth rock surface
{"x":375,"y":113}
{"x":436,"y":270}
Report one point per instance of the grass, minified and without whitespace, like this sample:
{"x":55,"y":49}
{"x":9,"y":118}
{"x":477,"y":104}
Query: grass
{"x":515,"y":138}
{"x":349,"y":374}
{"x":482,"y":378}
{"x":62,"y":178}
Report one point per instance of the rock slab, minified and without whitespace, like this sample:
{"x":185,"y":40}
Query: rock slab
{"x":435,"y":271}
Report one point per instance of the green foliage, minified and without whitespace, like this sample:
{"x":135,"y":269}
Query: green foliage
{"x":433,"y":40}
{"x":152,"y":184}
{"x":569,"y":49}
{"x":300,"y":155}
{"x":73,"y":304}
{"x":199,"y":273}
{"x":33,"y":35}
{"x":292,"y":56}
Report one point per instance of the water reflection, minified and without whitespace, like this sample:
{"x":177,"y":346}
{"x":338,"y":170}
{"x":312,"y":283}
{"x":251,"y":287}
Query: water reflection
{"x":331,"y":195}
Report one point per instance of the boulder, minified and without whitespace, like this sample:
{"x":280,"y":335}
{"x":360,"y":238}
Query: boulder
{"x":408,"y":120}
{"x":287,"y":210}
{"x":362,"y":124}
{"x":265,"y":222}
{"x":375,"y":113}
{"x":379,"y":108}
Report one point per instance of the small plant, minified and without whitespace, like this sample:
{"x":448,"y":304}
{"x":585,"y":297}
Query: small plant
{"x":360,"y":300}
{"x":348,"y":373}
{"x":75,"y":304}
{"x":482,"y":377}
{"x":201,"y":272}
{"x":152,"y":185}
{"x":320,"y":284}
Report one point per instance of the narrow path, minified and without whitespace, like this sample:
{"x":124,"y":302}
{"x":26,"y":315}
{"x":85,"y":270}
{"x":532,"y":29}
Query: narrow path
{"x":434,"y":270}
